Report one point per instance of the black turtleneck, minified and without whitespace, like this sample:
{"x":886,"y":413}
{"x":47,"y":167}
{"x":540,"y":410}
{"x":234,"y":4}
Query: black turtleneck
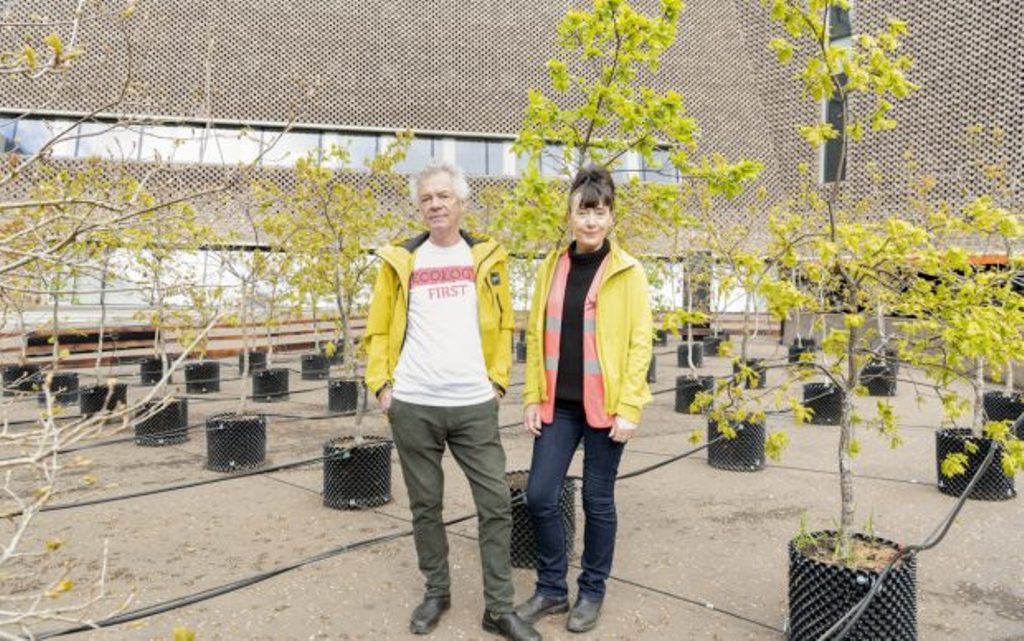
{"x":582,"y":268}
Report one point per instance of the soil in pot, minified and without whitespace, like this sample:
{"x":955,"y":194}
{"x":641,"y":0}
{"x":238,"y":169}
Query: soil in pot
{"x":687,"y":388}
{"x":269,"y":385}
{"x":235,"y":442}
{"x":744,"y":453}
{"x":523,"y":547}
{"x":685,"y":350}
{"x":151,"y":370}
{"x":315,"y":367}
{"x":343,"y":396}
{"x":19,"y":378}
{"x":63,"y":388}
{"x":760,"y":379}
{"x":879,"y":379}
{"x":167,"y":425}
{"x":821,"y":591}
{"x":202,"y":377}
{"x":98,"y":398}
{"x":826,"y":401}
{"x":993,"y":485}
{"x":357,"y":472}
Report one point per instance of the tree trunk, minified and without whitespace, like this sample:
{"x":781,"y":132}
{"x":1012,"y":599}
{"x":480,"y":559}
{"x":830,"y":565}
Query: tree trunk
{"x":56,"y":332}
{"x":979,"y":396}
{"x":846,"y":435}
{"x":103,"y":317}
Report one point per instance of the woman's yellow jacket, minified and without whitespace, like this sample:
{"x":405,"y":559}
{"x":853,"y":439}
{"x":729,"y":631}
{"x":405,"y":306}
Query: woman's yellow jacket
{"x":623,"y":328}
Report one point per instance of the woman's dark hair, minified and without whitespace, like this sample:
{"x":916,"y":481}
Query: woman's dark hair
{"x":595,"y":186}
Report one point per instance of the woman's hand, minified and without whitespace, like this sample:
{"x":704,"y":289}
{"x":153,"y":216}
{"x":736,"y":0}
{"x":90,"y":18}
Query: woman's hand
{"x":622,"y":430}
{"x":531,"y":419}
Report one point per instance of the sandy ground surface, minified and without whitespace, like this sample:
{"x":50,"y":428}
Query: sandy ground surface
{"x":701,"y":552}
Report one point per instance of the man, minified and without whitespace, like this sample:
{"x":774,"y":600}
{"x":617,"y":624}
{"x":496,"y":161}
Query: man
{"x":438,"y":340}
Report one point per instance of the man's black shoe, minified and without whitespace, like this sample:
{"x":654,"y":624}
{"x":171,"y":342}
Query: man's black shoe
{"x":539,"y":606}
{"x":427,"y":614}
{"x":583,"y":616}
{"x":510,"y":626}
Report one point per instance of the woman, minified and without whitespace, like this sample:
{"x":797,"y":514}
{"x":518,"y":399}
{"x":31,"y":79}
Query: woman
{"x":588,"y":350}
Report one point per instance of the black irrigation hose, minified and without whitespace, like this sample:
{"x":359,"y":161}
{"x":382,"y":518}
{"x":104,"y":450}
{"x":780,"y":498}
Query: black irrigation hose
{"x":845,"y":624}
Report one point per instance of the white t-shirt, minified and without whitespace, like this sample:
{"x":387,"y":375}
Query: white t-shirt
{"x":442,"y":360}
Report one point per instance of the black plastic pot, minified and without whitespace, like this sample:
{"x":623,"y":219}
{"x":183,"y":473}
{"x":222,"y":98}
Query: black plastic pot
{"x":357,"y":475}
{"x":660,"y":338}
{"x":521,"y":335}
{"x":269,"y":385}
{"x":880,"y":380}
{"x":91,"y":399}
{"x":805,"y":342}
{"x":652,"y":370}
{"x":63,"y":386}
{"x":235,"y":442}
{"x":993,"y":484}
{"x":687,"y":388}
{"x":685,"y":350}
{"x":19,"y":378}
{"x":257,"y":361}
{"x":521,"y":352}
{"x":711,"y":344}
{"x":745,"y":453}
{"x":1000,"y":406}
{"x":524,"y":549}
{"x":826,"y":401}
{"x":756,"y":364}
{"x":795,"y":351}
{"x":151,"y":370}
{"x":338,"y":357}
{"x":202,"y":377}
{"x":343,"y":396}
{"x":165,"y":426}
{"x":820,"y":593}
{"x":315,"y":367}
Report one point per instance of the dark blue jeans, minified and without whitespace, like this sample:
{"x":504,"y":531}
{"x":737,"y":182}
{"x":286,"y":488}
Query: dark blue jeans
{"x":552,"y":452}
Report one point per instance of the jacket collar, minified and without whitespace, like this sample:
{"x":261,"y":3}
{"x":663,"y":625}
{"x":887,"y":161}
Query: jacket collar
{"x":414,"y":243}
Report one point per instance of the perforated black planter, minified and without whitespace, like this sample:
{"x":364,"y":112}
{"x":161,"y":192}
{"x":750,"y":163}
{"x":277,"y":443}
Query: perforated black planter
{"x":19,"y":378}
{"x":151,"y":370}
{"x":1000,"y":406}
{"x":756,"y":364}
{"x":97,"y":398}
{"x":685,"y":350}
{"x":652,"y":370}
{"x":687,"y":388}
{"x":315,"y":367}
{"x":343,"y":396}
{"x":257,"y":361}
{"x":826,"y":400}
{"x":357,"y":475}
{"x":202,"y":377}
{"x":660,"y":338}
{"x":880,"y":380}
{"x":821,"y":593}
{"x":745,"y":453}
{"x":993,"y":484}
{"x":235,"y":442}
{"x":795,"y":351}
{"x":165,"y":426}
{"x":805,"y":342}
{"x":711,"y":344}
{"x":521,"y":352}
{"x":63,"y":387}
{"x":524,"y":549}
{"x":269,"y":385}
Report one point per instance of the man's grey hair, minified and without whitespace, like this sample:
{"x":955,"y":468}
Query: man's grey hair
{"x":459,"y":183}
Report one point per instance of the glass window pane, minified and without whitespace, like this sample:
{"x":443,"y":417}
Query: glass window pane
{"x":626,"y":167}
{"x":7,"y":127}
{"x":32,"y":134}
{"x":471,"y":155}
{"x":659,"y":169}
{"x":552,"y":162}
{"x":109,"y":140}
{"x":496,"y":157}
{"x":231,"y":146}
{"x":421,"y":150}
{"x":361,"y":149}
{"x":832,"y":168}
{"x":284,"y":149}
{"x":839,"y":24}
{"x":172,"y":144}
